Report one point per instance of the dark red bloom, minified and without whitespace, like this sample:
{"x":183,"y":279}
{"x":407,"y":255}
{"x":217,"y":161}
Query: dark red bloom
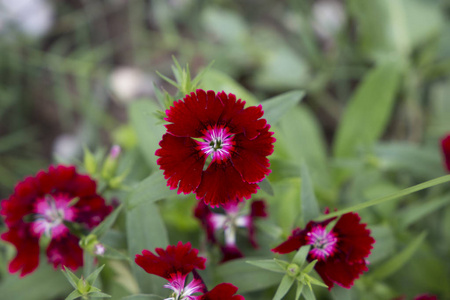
{"x":39,"y":206}
{"x":218,"y":131}
{"x":223,"y":291}
{"x":341,"y":253}
{"x":179,"y":259}
{"x":419,"y":297}
{"x":445,"y":143}
{"x":229,"y":222}
{"x":174,"y":264}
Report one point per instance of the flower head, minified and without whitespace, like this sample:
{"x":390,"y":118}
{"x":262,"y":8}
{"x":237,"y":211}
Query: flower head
{"x":41,"y":205}
{"x":215,"y":147}
{"x":445,"y":143}
{"x":341,"y":252}
{"x":175,"y":263}
{"x":229,"y":222}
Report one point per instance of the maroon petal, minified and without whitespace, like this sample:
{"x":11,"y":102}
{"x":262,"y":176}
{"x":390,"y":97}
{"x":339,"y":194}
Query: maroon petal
{"x":426,"y":297}
{"x":257,"y":210}
{"x":65,"y":252}
{"x":340,"y":272}
{"x":353,"y":237}
{"x":174,"y":259}
{"x":223,"y":291}
{"x":27,"y":257}
{"x":230,"y":252}
{"x":250,"y":156}
{"x":293,"y":243}
{"x":181,"y":162}
{"x":190,"y":116}
{"x":221,"y":184}
{"x":204,"y":214}
{"x":445,"y":144}
{"x":241,"y":120}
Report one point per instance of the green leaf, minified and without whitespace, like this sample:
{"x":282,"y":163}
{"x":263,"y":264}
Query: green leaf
{"x":299,"y":290}
{"x":45,"y":283}
{"x":368,"y":111}
{"x":148,"y":127}
{"x":309,"y":267}
{"x":266,"y":186}
{"x":72,"y":278}
{"x":275,"y":108}
{"x":313,"y":280}
{"x":151,"y":189}
{"x":396,"y":262}
{"x":145,"y":230}
{"x":284,"y":287}
{"x":74,"y":295}
{"x":308,"y":293}
{"x":310,"y":207}
{"x":268,"y":264}
{"x":99,"y":295}
{"x":93,"y":276}
{"x":394,"y":196}
{"x":300,"y":256}
{"x":107,"y":223}
{"x":143,"y":297}
{"x":245,"y":276}
{"x":411,"y":214}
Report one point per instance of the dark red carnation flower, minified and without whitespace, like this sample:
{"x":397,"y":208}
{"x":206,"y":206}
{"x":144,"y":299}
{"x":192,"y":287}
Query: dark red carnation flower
{"x":180,"y":259}
{"x":445,"y":143}
{"x":419,"y":297}
{"x":175,"y":264}
{"x":341,"y":253}
{"x":218,"y":131}
{"x":223,"y":291}
{"x":229,"y":222}
{"x":39,"y":206}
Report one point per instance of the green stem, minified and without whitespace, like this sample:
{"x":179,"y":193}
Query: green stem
{"x":394,"y":196}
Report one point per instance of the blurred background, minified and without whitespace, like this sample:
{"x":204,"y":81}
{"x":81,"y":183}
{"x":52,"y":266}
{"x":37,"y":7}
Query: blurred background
{"x":72,"y":73}
{"x":69,"y":68}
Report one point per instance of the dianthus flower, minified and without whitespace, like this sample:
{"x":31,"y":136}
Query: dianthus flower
{"x":215,"y":147}
{"x":229,"y":222}
{"x":445,"y":143}
{"x":40,"y":206}
{"x":174,"y":264}
{"x":419,"y":297}
{"x":341,"y":252}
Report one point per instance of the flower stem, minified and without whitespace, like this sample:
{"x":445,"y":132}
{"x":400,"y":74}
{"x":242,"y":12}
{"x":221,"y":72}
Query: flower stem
{"x":402,"y":193}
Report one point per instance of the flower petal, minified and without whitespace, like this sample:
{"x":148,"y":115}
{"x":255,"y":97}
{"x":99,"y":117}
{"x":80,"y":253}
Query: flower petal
{"x":174,"y":259}
{"x":190,"y":116}
{"x":445,"y":144}
{"x":250,"y":156}
{"x":223,"y":291}
{"x":353,"y":238}
{"x":340,"y":272}
{"x":181,"y":162}
{"x":221,"y":184}
{"x":65,"y":252}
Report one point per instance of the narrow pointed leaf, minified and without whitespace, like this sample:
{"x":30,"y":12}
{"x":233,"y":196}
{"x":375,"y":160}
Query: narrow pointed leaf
{"x":99,"y":295}
{"x":314,"y":281}
{"x":74,"y":295}
{"x":284,"y":287}
{"x":274,"y":108}
{"x":72,"y":278}
{"x":300,"y":256}
{"x":93,"y":276}
{"x":396,"y":262}
{"x":107,"y":223}
{"x":310,"y":266}
{"x":394,"y":196}
{"x":310,"y":207}
{"x":268,"y":264}
{"x":266,"y":186}
{"x":299,"y":290}
{"x":308,"y":293}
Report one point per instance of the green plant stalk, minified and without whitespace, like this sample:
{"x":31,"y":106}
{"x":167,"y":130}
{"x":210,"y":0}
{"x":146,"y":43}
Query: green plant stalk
{"x":402,"y":193}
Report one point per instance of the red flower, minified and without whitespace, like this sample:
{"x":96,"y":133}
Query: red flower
{"x":179,"y":259}
{"x":223,"y":291}
{"x":48,"y":200}
{"x":419,"y":297}
{"x":174,"y":264}
{"x":445,"y":143}
{"x":229,"y":222}
{"x":235,"y":145}
{"x":341,"y":253}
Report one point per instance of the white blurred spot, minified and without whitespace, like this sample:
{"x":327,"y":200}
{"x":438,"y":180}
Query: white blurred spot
{"x":328,"y":17}
{"x":66,"y":147}
{"x":128,"y":84}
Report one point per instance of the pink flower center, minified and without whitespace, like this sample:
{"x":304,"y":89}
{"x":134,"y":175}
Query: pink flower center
{"x":323,"y":243}
{"x":218,"y":142}
{"x":51,"y":211}
{"x":182,"y":292}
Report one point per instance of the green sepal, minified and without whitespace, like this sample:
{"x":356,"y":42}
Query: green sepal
{"x":90,"y":163}
{"x":72,"y":278}
{"x":74,"y":295}
{"x":93,"y":276}
{"x":300,"y":256}
{"x":308,"y":293}
{"x":309,"y":267}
